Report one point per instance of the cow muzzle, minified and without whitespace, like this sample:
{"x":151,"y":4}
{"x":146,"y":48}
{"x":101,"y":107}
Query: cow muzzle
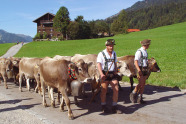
{"x":88,"y":80}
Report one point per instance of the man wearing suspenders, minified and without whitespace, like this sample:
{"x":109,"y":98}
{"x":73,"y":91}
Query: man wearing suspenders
{"x":141,"y":64}
{"x":106,"y":63}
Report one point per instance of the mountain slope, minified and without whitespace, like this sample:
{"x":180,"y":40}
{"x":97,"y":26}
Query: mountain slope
{"x":6,"y":37}
{"x":150,"y":14}
{"x":145,"y":4}
{"x":148,"y":3}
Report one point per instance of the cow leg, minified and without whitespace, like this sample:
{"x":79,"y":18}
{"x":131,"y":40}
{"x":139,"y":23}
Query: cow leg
{"x":43,"y":92}
{"x":14,"y":77}
{"x":67,"y":101}
{"x":94,"y":94}
{"x":120,"y":87}
{"x":58,"y":97}
{"x":5,"y":82}
{"x":52,"y":97}
{"x":37,"y":86}
{"x":131,"y":83}
{"x":62,"y":104}
{"x":75,"y":100}
{"x":49,"y":95}
{"x":83,"y":91}
{"x":28,"y":84}
{"x":20,"y":82}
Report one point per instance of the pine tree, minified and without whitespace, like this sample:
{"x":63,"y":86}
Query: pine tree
{"x":61,"y":21}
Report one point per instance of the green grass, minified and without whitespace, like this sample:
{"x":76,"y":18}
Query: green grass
{"x":168,"y":47}
{"x":4,"y":47}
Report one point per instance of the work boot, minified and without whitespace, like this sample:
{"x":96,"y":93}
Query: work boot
{"x":105,"y":109}
{"x":133,"y":97}
{"x":140,"y":100}
{"x":115,"y":110}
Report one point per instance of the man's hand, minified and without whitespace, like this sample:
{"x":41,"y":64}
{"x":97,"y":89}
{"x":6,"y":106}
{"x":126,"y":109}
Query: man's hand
{"x":102,"y":77}
{"x":140,"y":73}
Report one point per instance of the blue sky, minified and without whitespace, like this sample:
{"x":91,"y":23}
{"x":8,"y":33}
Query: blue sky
{"x":16,"y":16}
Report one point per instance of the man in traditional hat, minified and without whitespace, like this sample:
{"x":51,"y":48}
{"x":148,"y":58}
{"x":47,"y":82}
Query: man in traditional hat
{"x":106,"y":63}
{"x":141,"y":64}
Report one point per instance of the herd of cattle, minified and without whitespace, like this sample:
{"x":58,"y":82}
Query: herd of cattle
{"x":67,"y":74}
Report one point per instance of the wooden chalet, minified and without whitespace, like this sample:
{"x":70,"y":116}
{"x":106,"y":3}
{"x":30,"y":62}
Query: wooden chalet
{"x":45,"y":24}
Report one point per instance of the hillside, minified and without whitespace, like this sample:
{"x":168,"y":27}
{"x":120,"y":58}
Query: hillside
{"x":6,"y":37}
{"x":150,"y":14}
{"x":149,"y":3}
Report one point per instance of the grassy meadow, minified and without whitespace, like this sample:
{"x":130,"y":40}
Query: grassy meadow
{"x":4,"y":47}
{"x":168,"y":47}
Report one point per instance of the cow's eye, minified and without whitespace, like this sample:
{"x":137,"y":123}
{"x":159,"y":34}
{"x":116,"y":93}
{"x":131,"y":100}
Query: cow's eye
{"x":79,"y":69}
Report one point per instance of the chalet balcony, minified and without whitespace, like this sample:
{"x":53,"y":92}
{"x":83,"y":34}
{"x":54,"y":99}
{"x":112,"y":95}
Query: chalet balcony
{"x":46,"y":22}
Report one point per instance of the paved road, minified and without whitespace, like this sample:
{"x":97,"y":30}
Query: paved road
{"x":164,"y":106}
{"x":13,"y":50}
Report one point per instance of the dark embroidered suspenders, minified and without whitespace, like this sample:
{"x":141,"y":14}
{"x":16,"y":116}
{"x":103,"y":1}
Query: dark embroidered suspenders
{"x":142,"y":58}
{"x":107,"y":60}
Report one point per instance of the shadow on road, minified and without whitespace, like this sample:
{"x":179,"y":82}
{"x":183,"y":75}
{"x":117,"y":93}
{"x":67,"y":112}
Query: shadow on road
{"x":23,"y":107}
{"x":127,"y":107}
{"x":13,"y":101}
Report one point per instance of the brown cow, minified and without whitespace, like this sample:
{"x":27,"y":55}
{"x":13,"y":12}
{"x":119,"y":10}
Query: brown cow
{"x":15,"y":68}
{"x":87,"y":58}
{"x":58,"y":57}
{"x":129,"y":60}
{"x":26,"y":68}
{"x":92,"y":71}
{"x":5,"y":66}
{"x":55,"y":74}
{"x":94,"y":74}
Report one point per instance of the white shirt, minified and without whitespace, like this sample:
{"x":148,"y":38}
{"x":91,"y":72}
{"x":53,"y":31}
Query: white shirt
{"x":138,"y":56}
{"x":101,"y":59}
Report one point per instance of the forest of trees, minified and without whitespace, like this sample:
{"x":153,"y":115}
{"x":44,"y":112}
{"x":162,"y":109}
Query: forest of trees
{"x":157,"y":16}
{"x":154,"y":14}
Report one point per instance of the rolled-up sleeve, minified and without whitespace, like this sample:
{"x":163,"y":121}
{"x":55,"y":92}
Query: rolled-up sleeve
{"x":100,"y":58}
{"x":137,"y":55}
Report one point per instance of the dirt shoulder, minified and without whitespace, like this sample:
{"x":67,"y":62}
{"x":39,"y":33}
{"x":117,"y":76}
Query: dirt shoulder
{"x":164,"y":105}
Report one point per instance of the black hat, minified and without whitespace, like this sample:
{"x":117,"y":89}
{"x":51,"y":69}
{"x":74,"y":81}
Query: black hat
{"x":110,"y":42}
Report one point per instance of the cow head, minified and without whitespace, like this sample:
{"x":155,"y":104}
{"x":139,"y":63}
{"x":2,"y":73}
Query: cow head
{"x":123,"y":69}
{"x":153,"y":66}
{"x":15,"y":61}
{"x":80,"y":70}
{"x":93,"y":71}
{"x":8,"y":65}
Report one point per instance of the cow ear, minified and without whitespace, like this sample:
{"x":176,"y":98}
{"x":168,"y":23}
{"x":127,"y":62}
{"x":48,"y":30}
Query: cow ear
{"x":89,"y":64}
{"x":79,"y":62}
{"x":119,"y":64}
